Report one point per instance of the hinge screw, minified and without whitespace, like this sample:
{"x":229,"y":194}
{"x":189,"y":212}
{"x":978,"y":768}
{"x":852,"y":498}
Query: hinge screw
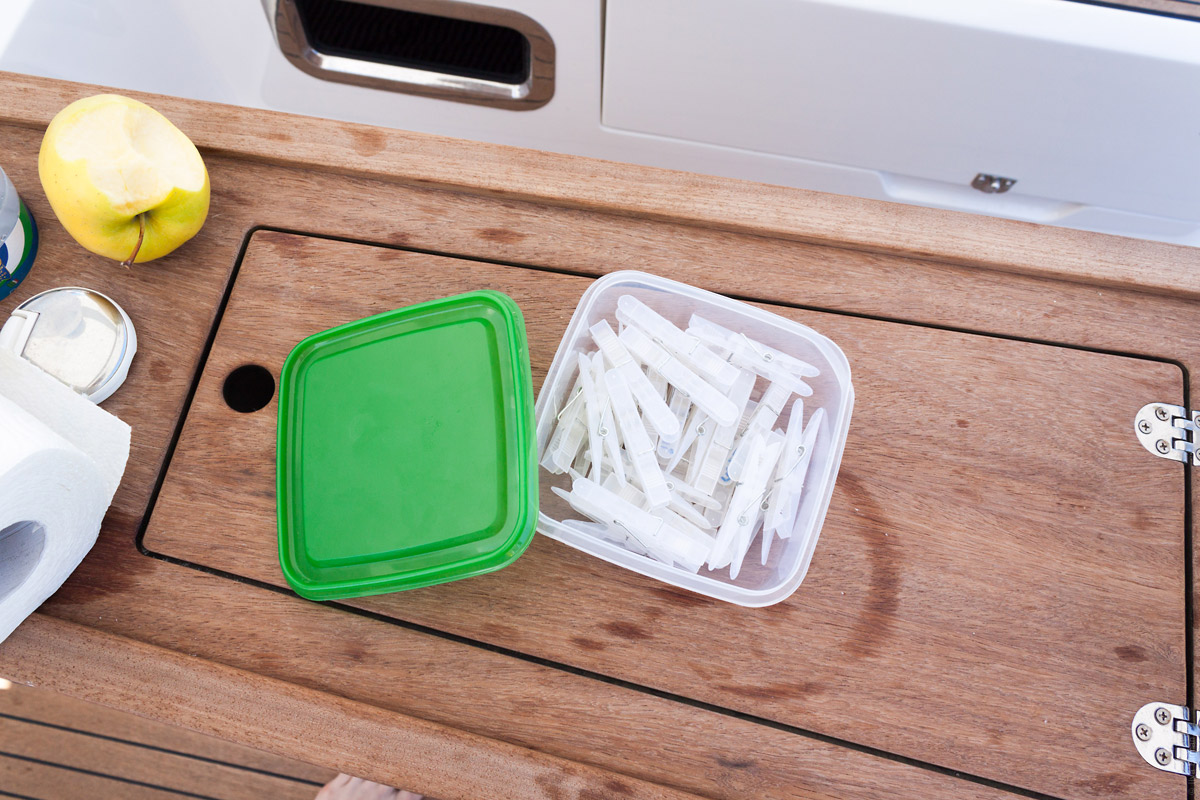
{"x":1162,"y":756}
{"x":1162,"y":414}
{"x":1144,"y":426}
{"x":1162,"y":716}
{"x":1163,"y":446}
{"x":1143,"y":732}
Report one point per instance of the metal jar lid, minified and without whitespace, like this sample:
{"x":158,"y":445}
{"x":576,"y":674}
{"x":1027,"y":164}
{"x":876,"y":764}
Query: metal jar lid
{"x":78,"y":335}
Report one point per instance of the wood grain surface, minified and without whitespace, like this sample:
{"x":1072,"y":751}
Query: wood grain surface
{"x":118,"y":589}
{"x":538,"y":706}
{"x":482,"y":201}
{"x":588,"y":184}
{"x":62,"y":718}
{"x":357,"y":737}
{"x":125,"y":765}
{"x":947,"y":572}
{"x":26,"y":779}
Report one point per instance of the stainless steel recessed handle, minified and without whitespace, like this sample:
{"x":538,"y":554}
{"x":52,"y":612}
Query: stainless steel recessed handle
{"x":534,"y":88}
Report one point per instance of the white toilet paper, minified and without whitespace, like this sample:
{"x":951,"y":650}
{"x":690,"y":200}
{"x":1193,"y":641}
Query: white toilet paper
{"x":61,"y":459}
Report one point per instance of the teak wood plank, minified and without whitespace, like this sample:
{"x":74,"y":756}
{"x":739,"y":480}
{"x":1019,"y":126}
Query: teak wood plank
{"x":118,"y":589}
{"x":417,"y":675}
{"x":134,"y":764}
{"x":41,"y":781}
{"x":887,"y":624}
{"x":58,"y":712}
{"x":361,"y":738}
{"x":659,"y":194}
{"x":220,"y":621}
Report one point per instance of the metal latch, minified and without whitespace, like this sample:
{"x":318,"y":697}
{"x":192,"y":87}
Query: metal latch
{"x":1167,"y":738}
{"x":1169,"y":431}
{"x":992,"y":184}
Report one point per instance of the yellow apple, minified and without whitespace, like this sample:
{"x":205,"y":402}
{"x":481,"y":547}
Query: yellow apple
{"x":124,"y":181}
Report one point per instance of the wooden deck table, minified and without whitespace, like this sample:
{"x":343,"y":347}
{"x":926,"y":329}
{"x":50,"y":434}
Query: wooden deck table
{"x":1004,"y":577}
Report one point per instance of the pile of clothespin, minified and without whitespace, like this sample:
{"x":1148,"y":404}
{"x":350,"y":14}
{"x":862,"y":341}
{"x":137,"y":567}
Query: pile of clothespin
{"x":668,"y":453}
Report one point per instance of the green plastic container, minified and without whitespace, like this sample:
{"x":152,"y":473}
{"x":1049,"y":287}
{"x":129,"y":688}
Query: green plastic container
{"x":407,"y":455}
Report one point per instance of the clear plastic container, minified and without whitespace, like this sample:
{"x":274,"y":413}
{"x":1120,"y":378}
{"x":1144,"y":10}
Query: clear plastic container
{"x":789,"y":559}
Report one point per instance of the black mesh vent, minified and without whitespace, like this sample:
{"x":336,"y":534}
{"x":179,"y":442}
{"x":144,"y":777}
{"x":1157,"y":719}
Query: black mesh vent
{"x":421,"y":41}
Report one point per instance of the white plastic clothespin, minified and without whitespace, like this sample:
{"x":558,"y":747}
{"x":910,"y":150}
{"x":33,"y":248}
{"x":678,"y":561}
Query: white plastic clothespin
{"x":691,"y":350}
{"x":745,"y":507}
{"x":592,"y":410}
{"x":612,"y":532}
{"x":711,"y":465}
{"x":663,"y":541}
{"x":740,"y":515}
{"x":753,"y":355}
{"x":774,"y":448}
{"x":705,"y":428}
{"x":627,"y":492}
{"x":569,"y":434}
{"x":680,"y":406}
{"x":762,"y":420}
{"x":793,"y":468}
{"x":637,"y":441}
{"x":593,"y":529}
{"x":703,"y":540}
{"x":701,"y":392}
{"x":657,"y":381}
{"x":691,"y":431}
{"x":737,"y":461}
{"x":747,"y":413}
{"x":583,"y":461}
{"x":608,"y":429}
{"x":780,"y":490}
{"x":691,"y":493}
{"x":770,"y":406}
{"x":686,"y":510}
{"x":658,"y":413}
{"x":668,"y":456}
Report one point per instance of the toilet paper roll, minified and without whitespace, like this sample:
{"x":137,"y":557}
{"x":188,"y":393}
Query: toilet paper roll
{"x":61,"y":460}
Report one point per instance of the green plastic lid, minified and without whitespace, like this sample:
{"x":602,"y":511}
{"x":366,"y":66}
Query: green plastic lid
{"x":407,"y":455}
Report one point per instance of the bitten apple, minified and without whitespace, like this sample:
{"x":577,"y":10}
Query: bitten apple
{"x":123,"y":180}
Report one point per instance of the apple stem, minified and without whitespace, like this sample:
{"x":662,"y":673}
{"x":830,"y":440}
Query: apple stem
{"x":127,"y":263}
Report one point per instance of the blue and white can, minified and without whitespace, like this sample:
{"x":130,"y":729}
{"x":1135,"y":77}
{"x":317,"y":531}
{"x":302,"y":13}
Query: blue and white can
{"x":18,"y":238}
